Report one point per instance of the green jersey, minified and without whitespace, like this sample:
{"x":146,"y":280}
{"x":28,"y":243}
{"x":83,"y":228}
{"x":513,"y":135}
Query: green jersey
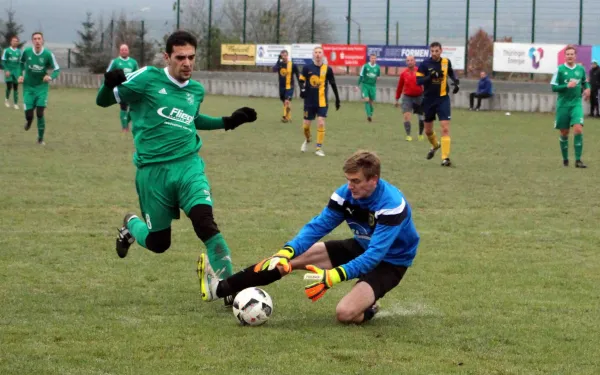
{"x":369,"y":74}
{"x":129,"y":65}
{"x":162,"y":111}
{"x":569,"y":97}
{"x":11,"y":60}
{"x":36,"y":66}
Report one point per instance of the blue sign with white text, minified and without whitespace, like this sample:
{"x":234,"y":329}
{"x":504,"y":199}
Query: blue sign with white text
{"x":395,"y":56}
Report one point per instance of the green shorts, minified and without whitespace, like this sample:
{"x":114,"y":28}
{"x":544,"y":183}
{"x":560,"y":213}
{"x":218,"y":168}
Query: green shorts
{"x":12,"y":78}
{"x":37,"y":97}
{"x":164,"y":188}
{"x":369,"y":91}
{"x":566,"y":117}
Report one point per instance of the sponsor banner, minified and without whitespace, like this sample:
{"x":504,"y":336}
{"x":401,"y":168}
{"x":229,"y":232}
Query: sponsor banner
{"x":596,"y":54}
{"x":395,"y":56}
{"x":456,"y":55}
{"x":345,"y":54}
{"x":238,"y":54}
{"x":527,"y":57}
{"x":584,"y":56}
{"x":268,"y":54}
{"x":302,"y":53}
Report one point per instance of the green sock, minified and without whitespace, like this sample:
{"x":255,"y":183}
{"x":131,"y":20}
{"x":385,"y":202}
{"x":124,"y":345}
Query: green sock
{"x":564,"y":147}
{"x":41,"y":125}
{"x":139,"y":230}
{"x":123,"y":116}
{"x":15,"y":96}
{"x":367,"y":109}
{"x":578,"y":144}
{"x":372,"y":108}
{"x":219,"y":255}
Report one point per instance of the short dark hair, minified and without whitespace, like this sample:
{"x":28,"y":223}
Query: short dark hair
{"x":180,"y":38}
{"x":14,"y":37}
{"x":435,"y":44}
{"x":284,"y":51}
{"x":37,"y":33}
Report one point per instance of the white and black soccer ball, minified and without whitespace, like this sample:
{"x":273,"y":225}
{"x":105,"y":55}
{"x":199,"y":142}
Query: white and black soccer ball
{"x":252,"y":307}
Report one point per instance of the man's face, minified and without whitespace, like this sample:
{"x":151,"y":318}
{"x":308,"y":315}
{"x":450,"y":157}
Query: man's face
{"x":359,"y":186}
{"x":14,"y":42}
{"x":570,"y":56}
{"x":181,"y":62}
{"x":284,"y":57}
{"x":436,"y":53}
{"x":482,"y":74}
{"x":373,"y":59}
{"x":318,"y":55}
{"x":410,"y":62}
{"x":124,"y":51}
{"x":38,"y":41}
{"x":594,"y":65}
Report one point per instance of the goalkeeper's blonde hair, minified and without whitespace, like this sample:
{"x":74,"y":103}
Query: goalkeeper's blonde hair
{"x":366,"y":161}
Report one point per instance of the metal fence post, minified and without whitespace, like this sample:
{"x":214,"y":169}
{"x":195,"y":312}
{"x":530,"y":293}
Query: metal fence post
{"x":533,"y":22}
{"x":580,"y":21}
{"x":467,"y":38}
{"x":142,"y":44}
{"x":397,"y":33}
{"x":178,"y":9}
{"x":244,"y":26}
{"x":278,"y":20}
{"x":495,"y":18}
{"x":69,"y":58}
{"x":348,"y":19}
{"x":209,"y":41}
{"x":312,"y":23}
{"x":428,"y":19}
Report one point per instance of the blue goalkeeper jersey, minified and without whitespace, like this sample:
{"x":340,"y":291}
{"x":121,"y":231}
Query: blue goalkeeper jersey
{"x":382,"y":224}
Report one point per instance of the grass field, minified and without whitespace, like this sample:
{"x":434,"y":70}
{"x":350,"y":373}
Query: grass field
{"x":505,"y":280}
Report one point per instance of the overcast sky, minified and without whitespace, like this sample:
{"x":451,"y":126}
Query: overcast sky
{"x":557,"y":20}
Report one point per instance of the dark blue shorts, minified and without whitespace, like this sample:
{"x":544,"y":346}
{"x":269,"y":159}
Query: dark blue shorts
{"x":439,"y":106}
{"x":286,"y":94}
{"x":310,"y":113}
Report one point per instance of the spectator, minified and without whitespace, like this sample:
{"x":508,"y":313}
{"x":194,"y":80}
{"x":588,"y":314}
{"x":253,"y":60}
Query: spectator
{"x":484,"y":91}
{"x":594,"y":80}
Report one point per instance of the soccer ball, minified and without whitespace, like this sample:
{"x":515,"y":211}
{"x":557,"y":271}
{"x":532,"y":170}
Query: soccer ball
{"x":252,"y":307}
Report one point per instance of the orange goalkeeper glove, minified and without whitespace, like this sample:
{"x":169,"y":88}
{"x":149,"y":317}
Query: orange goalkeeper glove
{"x":325,"y":280}
{"x":281,"y":258}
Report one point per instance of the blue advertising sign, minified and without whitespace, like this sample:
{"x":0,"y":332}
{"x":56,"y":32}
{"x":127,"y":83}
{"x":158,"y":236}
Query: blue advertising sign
{"x":395,"y":56}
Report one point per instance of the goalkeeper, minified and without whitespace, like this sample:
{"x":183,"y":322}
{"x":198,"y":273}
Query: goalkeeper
{"x":384,"y":246}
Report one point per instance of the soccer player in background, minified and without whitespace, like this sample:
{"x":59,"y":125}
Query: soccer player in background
{"x":165,"y":111}
{"x":412,"y":97}
{"x":11,"y":60}
{"x":128,"y":65}
{"x":433,"y":74}
{"x":367,"y":83}
{"x":36,"y":61}
{"x":286,"y":70}
{"x":314,"y":82}
{"x":569,"y":82}
{"x":384,"y":245}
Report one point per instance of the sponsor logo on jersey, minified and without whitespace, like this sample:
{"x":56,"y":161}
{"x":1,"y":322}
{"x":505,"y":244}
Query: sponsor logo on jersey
{"x":315,"y":81}
{"x":175,"y":114}
{"x":162,"y":91}
{"x":36,"y":68}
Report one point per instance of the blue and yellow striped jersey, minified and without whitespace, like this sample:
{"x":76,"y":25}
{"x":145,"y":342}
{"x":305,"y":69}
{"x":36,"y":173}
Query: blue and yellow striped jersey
{"x":286,"y":72}
{"x":316,"y":83}
{"x":435,"y":87}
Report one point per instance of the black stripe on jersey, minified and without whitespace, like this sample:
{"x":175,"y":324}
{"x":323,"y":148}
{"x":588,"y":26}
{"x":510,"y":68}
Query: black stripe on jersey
{"x":392,"y":220}
{"x":335,"y":206}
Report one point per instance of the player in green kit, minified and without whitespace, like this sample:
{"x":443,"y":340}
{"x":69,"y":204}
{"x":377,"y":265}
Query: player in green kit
{"x":11,"y":60}
{"x":367,"y":82}
{"x":127,"y":65}
{"x":569,"y":82}
{"x":36,"y":61}
{"x":165,"y":113}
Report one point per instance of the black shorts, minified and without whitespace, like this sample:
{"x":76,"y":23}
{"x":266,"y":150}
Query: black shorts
{"x":383,"y":278}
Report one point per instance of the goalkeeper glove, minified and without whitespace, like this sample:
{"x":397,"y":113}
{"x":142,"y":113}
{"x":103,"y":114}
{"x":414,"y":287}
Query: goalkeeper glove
{"x":337,"y":105}
{"x":281,"y":258}
{"x":239,"y":117}
{"x":302,"y":93}
{"x":456,"y":88}
{"x":325,"y":280}
{"x":114,"y":78}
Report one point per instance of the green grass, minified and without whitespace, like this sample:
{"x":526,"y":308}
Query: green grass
{"x":505,"y":280}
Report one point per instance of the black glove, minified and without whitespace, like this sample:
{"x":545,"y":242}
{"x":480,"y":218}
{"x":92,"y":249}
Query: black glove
{"x":337,"y":105}
{"x":456,"y":88}
{"x":114,"y":78}
{"x":302,"y":93}
{"x":239,"y":117}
